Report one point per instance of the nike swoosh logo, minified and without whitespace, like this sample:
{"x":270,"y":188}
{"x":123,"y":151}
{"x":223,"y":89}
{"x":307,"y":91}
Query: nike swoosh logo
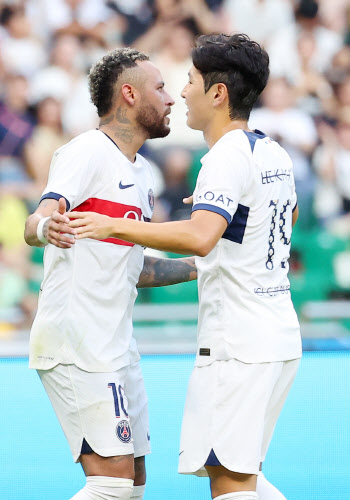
{"x":181,"y":452}
{"x":125,"y":186}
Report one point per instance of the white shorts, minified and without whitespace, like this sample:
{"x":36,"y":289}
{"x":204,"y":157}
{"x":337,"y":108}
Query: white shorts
{"x":107,"y":410}
{"x":230,"y":414}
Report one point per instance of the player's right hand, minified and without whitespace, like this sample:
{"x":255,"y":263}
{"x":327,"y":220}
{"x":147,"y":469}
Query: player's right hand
{"x":56,"y":229}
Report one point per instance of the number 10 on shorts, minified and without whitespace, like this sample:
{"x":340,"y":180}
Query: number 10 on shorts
{"x":118,"y":399}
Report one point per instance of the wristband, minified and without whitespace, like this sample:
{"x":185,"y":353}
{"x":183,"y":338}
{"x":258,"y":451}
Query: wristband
{"x":39,"y":230}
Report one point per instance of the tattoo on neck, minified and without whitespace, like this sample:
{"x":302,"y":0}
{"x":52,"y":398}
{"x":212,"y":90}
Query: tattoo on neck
{"x":121,"y":115}
{"x":124,"y":134}
{"x":106,"y":120}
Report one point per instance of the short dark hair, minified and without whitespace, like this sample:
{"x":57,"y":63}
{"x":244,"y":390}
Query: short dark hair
{"x":307,"y":9}
{"x":8,"y":11}
{"x":104,"y":74}
{"x":238,"y":62}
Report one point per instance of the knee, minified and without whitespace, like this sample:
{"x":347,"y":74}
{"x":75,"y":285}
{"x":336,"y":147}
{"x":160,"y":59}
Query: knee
{"x":109,"y":488}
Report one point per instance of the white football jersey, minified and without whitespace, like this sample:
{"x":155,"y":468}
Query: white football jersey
{"x":85,"y":307}
{"x":245,"y":307}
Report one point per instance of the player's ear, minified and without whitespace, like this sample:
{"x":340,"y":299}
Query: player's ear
{"x":129,"y":93}
{"x":220,"y":93}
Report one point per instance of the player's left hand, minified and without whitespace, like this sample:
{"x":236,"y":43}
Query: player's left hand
{"x":188,"y":201}
{"x":90,"y":225}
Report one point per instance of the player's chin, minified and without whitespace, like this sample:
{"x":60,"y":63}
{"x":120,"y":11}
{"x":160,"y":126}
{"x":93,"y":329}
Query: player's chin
{"x":160,"y":132}
{"x":192,"y":124}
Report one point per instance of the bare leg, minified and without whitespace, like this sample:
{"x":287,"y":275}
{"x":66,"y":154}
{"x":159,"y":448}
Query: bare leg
{"x":120,"y":466}
{"x":223,"y":481}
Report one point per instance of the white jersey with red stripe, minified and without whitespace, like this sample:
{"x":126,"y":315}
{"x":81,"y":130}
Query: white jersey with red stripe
{"x":245,"y":307}
{"x":88,"y":292}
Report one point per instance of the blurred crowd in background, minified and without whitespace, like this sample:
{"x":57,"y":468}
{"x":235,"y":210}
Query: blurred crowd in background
{"x":46,"y":50}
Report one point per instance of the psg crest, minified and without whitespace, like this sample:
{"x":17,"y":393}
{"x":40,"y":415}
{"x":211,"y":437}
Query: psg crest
{"x":123,"y":431}
{"x":151,"y":199}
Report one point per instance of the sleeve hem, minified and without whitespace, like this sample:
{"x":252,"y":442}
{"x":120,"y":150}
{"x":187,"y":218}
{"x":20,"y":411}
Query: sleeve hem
{"x":54,"y":196}
{"x":213,"y":208}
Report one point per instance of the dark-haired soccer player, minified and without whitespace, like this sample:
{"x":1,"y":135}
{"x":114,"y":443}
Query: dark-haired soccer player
{"x":244,"y":206}
{"x":81,"y":340}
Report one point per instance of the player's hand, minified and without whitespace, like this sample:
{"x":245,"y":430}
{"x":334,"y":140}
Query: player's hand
{"x":189,"y":200}
{"x":57,"y":227}
{"x":91,"y":225}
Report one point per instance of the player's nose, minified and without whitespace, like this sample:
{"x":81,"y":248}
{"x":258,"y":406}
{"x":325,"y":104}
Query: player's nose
{"x":169,"y":100}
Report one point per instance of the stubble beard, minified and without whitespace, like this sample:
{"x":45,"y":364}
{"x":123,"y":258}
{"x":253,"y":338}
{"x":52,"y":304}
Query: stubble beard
{"x":152,"y":122}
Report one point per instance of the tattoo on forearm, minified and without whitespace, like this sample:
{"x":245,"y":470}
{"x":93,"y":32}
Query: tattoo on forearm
{"x":121,"y":115}
{"x":162,"y":272}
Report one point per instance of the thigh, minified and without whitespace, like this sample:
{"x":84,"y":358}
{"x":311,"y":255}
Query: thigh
{"x":91,"y":406}
{"x":118,"y":466}
{"x":223,"y":481}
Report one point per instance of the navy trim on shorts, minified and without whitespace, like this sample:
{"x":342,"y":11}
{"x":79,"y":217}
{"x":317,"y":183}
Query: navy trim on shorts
{"x":212,"y":459}
{"x":86,"y":448}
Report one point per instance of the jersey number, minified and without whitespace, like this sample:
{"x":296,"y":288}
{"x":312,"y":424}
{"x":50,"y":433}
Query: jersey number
{"x":118,"y":405}
{"x":282,"y":225}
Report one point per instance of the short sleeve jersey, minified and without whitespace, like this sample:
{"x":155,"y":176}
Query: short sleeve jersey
{"x":87,"y":295}
{"x":245,"y":307}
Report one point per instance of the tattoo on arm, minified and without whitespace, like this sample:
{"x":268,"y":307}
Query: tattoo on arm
{"x":163,"y":272}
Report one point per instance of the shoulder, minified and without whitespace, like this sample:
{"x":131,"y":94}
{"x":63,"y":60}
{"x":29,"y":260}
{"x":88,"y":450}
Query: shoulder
{"x":83,"y":145}
{"x":234,"y":148}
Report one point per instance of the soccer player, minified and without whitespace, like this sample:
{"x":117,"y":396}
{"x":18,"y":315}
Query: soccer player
{"x":81,"y":340}
{"x":244,"y":206}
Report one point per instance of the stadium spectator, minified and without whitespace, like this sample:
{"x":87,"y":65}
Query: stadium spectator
{"x":85,"y":19}
{"x":282,"y":46}
{"x":47,"y":136}
{"x":17,"y":303}
{"x":21,"y":52}
{"x":242,"y":17}
{"x":177,"y":163}
{"x":342,"y":93}
{"x":16,"y":123}
{"x":16,"y":127}
{"x":294,"y":129}
{"x":173,"y":60}
{"x":65,"y":80}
